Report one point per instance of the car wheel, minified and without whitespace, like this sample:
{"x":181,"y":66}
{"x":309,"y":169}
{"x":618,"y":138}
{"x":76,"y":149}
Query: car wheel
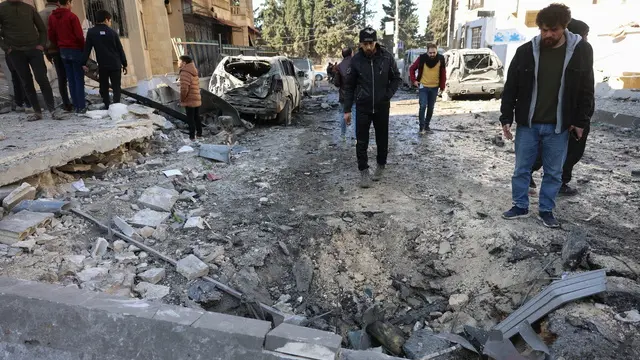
{"x":284,"y":117}
{"x":318,"y":77}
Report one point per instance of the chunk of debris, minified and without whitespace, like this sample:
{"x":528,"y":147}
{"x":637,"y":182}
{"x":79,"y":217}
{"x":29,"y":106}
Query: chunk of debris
{"x":204,"y":293}
{"x":91,"y":274}
{"x":153,"y":276}
{"x":150,"y":291}
{"x":615,"y":265}
{"x":457,"y":301}
{"x":23,"y":192}
{"x":27,"y":245}
{"x":191,"y":267}
{"x":16,"y":227}
{"x":161,"y":122}
{"x":125,"y":228}
{"x":303,"y":273}
{"x":96,"y":114}
{"x":172,"y":172}
{"x":80,"y":186}
{"x":631,"y":316}
{"x":126,"y":257}
{"x":194,"y":222}
{"x":71,"y":264}
{"x":117,"y":112}
{"x":390,"y":336}
{"x":42,"y":205}
{"x":359,"y":340}
{"x":140,"y":109}
{"x":74,"y":167}
{"x":213,"y":177}
{"x":221,"y":153}
{"x":119,"y":245}
{"x":498,"y":141}
{"x":158,"y":198}
{"x":422,"y":343}
{"x":99,"y":248}
{"x":148,"y":217}
{"x":185,"y":149}
{"x":6,"y":190}
{"x":575,"y":249}
{"x":445,"y":248}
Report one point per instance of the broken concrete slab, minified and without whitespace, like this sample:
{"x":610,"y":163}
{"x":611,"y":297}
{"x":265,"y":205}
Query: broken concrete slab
{"x":457,"y":301}
{"x":204,"y":293}
{"x":125,"y":228}
{"x":150,"y":291}
{"x":23,"y":192}
{"x":192,"y":268}
{"x":42,"y":205}
{"x":153,"y":276}
{"x":220,"y":153}
{"x":27,"y":245}
{"x":91,"y":274}
{"x":194,"y":222}
{"x":615,"y":265}
{"x":148,"y":217}
{"x":140,"y":109}
{"x":158,"y":198}
{"x":6,"y":190}
{"x":575,"y":249}
{"x":305,"y":342}
{"x":422,"y":343}
{"x":17,"y":227}
{"x":303,"y":272}
{"x":99,"y":248}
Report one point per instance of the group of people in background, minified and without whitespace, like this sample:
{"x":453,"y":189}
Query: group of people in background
{"x":28,"y":37}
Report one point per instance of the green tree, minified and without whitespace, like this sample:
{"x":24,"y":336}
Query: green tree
{"x":438,"y":22}
{"x":409,"y":24}
{"x":296,"y":26}
{"x":272,"y":28}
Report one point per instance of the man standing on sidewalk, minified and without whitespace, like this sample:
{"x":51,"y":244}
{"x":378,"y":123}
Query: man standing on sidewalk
{"x":432,"y":75}
{"x":65,"y":32}
{"x":53,"y":55}
{"x":372,"y":80}
{"x":575,"y":149}
{"x":23,"y":37}
{"x":550,"y":87}
{"x":110,"y":56}
{"x":339,"y":82}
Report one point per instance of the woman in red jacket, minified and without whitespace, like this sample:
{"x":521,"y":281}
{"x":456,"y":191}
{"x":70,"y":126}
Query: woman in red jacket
{"x":65,"y":32}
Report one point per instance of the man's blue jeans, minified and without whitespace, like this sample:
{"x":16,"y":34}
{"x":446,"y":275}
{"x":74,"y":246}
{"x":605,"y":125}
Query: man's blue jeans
{"x":530,"y":140}
{"x":72,"y":60}
{"x":428,"y":98}
{"x":343,"y":124}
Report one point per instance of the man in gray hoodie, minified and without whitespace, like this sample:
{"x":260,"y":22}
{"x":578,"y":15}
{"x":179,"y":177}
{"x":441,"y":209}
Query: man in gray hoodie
{"x":550,"y":88}
{"x":23,"y":37}
{"x":52,"y":53}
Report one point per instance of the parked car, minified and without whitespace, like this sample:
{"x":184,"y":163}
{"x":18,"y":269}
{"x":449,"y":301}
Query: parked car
{"x":263,"y":87}
{"x":309,"y":82}
{"x":474,"y":72}
{"x":320,"y":75}
{"x":410,"y":57}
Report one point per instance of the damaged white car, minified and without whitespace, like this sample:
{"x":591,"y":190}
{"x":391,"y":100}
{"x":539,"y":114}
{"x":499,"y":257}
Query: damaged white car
{"x":473,"y":72}
{"x":261,"y":87}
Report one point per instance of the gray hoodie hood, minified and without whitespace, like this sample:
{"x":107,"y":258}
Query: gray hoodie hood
{"x":572,"y":41}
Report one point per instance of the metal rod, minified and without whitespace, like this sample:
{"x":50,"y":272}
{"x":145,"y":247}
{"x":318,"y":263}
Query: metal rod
{"x":277,"y":316}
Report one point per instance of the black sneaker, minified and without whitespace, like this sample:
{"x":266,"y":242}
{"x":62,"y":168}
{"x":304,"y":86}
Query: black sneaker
{"x":548,"y":219}
{"x":427,"y":128}
{"x":377,"y":175}
{"x":515,"y":213}
{"x":566,"y":190}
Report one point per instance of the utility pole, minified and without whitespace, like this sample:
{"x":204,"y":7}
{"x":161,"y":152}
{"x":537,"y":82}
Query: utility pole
{"x":452,"y":20}
{"x":364,"y":13}
{"x":396,"y":32}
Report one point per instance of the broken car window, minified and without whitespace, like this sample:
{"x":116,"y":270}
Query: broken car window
{"x":476,"y":61}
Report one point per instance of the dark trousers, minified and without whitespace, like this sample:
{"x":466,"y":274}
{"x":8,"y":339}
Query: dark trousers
{"x":72,"y":60}
{"x":194,"y":121}
{"x":380,"y":122}
{"x":29,"y":61}
{"x":575,"y":150}
{"x":19,"y":97}
{"x":115,"y":78}
{"x":62,"y":78}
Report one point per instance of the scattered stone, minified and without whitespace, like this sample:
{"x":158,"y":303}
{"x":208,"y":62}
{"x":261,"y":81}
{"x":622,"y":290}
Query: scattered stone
{"x":119,"y":245}
{"x":152,"y":292}
{"x":158,"y":198}
{"x":125,"y":228}
{"x":75,"y":167}
{"x":126,"y":257}
{"x":71,"y":264}
{"x":194,"y":222}
{"x":264,"y":200}
{"x":91,"y":274}
{"x":520,"y":253}
{"x":146,"y":232}
{"x":99,"y":248}
{"x":575,"y":249}
{"x":148,"y":217}
{"x":422,"y":343}
{"x":185,"y":149}
{"x":140,"y":109}
{"x":253,"y":257}
{"x":153,"y":276}
{"x":6,"y":190}
{"x":27,"y":245}
{"x":23,"y":192}
{"x":390,"y":336}
{"x":248,"y":282}
{"x":191,"y":267}
{"x":631,"y":316}
{"x":209,"y":253}
{"x":359,"y":340}
{"x":16,"y":227}
{"x":44,"y":238}
{"x":457,"y":301}
{"x":445,"y":248}
{"x":303,"y":273}
{"x":143,"y":255}
{"x":284,"y":248}
{"x":204,"y":293}
{"x":160,"y":233}
{"x":133,"y":248}
{"x":498,"y":141}
{"x":619,"y":265}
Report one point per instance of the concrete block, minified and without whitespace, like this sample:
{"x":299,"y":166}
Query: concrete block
{"x":153,"y":276}
{"x":125,"y":228}
{"x":248,"y":333}
{"x":6,"y":190}
{"x":17,"y":227}
{"x":178,"y":315}
{"x":23,"y":192}
{"x":191,"y":267}
{"x":150,"y":291}
{"x":148,"y":217}
{"x":302,"y":341}
{"x":158,"y":198}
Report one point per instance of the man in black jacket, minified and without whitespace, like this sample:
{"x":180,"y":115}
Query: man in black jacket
{"x":110,"y":56}
{"x":339,"y":81}
{"x":550,"y":87}
{"x":372,"y":80}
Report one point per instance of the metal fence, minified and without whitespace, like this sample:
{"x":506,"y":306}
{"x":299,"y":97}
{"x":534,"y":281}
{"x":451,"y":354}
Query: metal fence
{"x":114,"y":7}
{"x":205,"y":55}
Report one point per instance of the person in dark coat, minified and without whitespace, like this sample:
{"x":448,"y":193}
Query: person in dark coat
{"x":112,"y":61}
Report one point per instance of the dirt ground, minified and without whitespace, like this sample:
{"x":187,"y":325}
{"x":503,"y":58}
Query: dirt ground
{"x":290,"y":226}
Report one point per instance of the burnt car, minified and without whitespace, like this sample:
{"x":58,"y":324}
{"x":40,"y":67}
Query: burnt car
{"x":473,"y":72}
{"x":262,"y":87}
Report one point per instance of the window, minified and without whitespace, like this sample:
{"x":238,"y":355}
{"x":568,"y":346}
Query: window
{"x":476,"y":61}
{"x":187,"y":7}
{"x":476,"y":37}
{"x":114,"y":7}
{"x":530,"y":18}
{"x":475,"y":4}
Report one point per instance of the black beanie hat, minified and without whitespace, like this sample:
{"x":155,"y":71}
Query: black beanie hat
{"x":368,"y":34}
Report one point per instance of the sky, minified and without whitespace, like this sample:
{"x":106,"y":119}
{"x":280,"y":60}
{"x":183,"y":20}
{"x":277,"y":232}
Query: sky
{"x":424,"y":6}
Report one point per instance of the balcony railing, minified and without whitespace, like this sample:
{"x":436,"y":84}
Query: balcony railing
{"x":238,"y":11}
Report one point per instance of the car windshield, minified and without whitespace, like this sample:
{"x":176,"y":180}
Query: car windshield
{"x":302,"y":64}
{"x":476,"y":61}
